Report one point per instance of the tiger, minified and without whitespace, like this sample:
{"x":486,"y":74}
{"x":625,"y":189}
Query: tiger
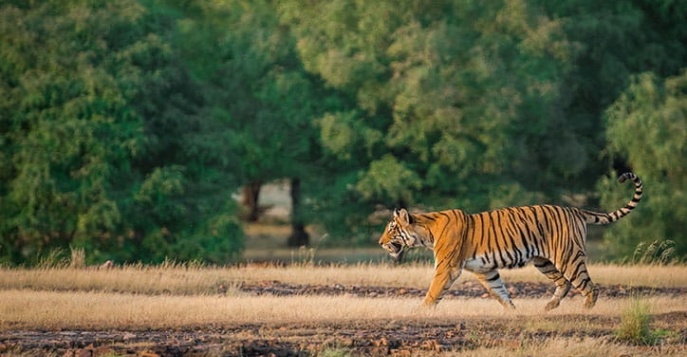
{"x":551,"y":237}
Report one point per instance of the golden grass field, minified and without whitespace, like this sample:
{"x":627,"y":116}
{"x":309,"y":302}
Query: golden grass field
{"x":211,"y":301}
{"x":180,"y":279}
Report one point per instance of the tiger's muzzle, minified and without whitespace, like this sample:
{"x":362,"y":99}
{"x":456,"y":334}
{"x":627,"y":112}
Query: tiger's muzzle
{"x":395,"y":250}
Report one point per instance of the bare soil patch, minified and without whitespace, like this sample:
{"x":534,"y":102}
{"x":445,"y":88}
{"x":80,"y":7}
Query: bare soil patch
{"x":375,"y":338}
{"x":379,"y":337}
{"x":468,"y":289}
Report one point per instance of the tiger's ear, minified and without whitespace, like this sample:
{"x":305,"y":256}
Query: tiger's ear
{"x":402,"y":217}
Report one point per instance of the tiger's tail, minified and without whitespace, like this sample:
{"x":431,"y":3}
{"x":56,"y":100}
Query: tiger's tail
{"x":606,"y":218}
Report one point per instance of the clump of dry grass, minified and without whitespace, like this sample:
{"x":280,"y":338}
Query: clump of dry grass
{"x":635,"y":323}
{"x":661,"y":252}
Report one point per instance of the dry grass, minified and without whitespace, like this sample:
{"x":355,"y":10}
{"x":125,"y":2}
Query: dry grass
{"x":25,"y":309}
{"x":173,"y":295}
{"x":185,"y":280}
{"x":607,"y":274}
{"x":572,"y":347}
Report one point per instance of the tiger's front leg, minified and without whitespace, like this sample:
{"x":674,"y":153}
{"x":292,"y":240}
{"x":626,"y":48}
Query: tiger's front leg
{"x":442,"y":281}
{"x":491,"y":280}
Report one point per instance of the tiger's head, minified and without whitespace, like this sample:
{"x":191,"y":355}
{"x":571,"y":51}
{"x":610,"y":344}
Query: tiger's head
{"x":401,"y":234}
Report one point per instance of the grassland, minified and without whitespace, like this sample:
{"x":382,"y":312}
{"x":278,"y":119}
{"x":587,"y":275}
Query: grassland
{"x":212,"y":305}
{"x":180,"y":279}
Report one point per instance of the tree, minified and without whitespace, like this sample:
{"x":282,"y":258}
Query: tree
{"x":442,"y":102}
{"x":472,"y":105}
{"x":105,"y":145}
{"x":263,"y":87}
{"x":647,"y":127}
{"x":611,"y":41}
{"x":67,"y":129}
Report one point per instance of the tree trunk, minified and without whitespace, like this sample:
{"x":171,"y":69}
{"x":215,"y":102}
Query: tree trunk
{"x":251,"y":195}
{"x":299,"y":237}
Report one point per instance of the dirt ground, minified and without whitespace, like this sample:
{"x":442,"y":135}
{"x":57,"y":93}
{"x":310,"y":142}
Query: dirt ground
{"x":355,"y":337}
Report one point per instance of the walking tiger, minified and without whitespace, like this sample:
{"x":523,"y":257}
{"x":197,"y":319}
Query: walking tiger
{"x":552,"y":237}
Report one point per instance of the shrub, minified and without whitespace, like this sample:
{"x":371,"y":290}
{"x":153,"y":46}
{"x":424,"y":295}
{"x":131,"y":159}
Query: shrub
{"x":635,"y":324}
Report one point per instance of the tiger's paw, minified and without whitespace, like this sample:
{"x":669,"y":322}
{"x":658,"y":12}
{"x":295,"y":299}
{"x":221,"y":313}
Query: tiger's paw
{"x":427,"y":306}
{"x":424,"y":308}
{"x":509,"y":306}
{"x":554,"y":303}
{"x":429,"y":302}
{"x":590,"y":300}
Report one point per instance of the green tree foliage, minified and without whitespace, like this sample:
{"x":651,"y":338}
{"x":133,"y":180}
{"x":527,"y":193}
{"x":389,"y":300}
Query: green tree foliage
{"x":125,"y":126}
{"x":647,"y":127}
{"x":256,"y":79}
{"x":446,"y":104}
{"x":259,"y":82}
{"x":103,"y":141}
{"x":475,"y":105}
{"x":612,"y":41}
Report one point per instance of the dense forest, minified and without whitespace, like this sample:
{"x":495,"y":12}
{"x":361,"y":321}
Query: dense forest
{"x":126,"y":126}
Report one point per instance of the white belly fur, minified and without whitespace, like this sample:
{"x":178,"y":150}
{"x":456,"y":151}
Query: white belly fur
{"x":476,"y":266}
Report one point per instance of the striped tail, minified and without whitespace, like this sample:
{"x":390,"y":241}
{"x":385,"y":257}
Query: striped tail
{"x":606,"y":218}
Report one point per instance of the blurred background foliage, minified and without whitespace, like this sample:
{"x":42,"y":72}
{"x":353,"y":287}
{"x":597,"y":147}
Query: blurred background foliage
{"x":127,"y":126}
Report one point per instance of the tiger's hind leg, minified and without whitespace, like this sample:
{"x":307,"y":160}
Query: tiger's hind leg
{"x":562,"y":284}
{"x":584,"y":283}
{"x":578,"y":276}
{"x":493,"y":283}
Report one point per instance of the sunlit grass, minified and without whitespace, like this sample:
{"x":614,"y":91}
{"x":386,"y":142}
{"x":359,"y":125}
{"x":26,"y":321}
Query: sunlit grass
{"x":183,"y":296}
{"x":198,"y":280}
{"x":25,"y":309}
{"x":560,"y":346}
